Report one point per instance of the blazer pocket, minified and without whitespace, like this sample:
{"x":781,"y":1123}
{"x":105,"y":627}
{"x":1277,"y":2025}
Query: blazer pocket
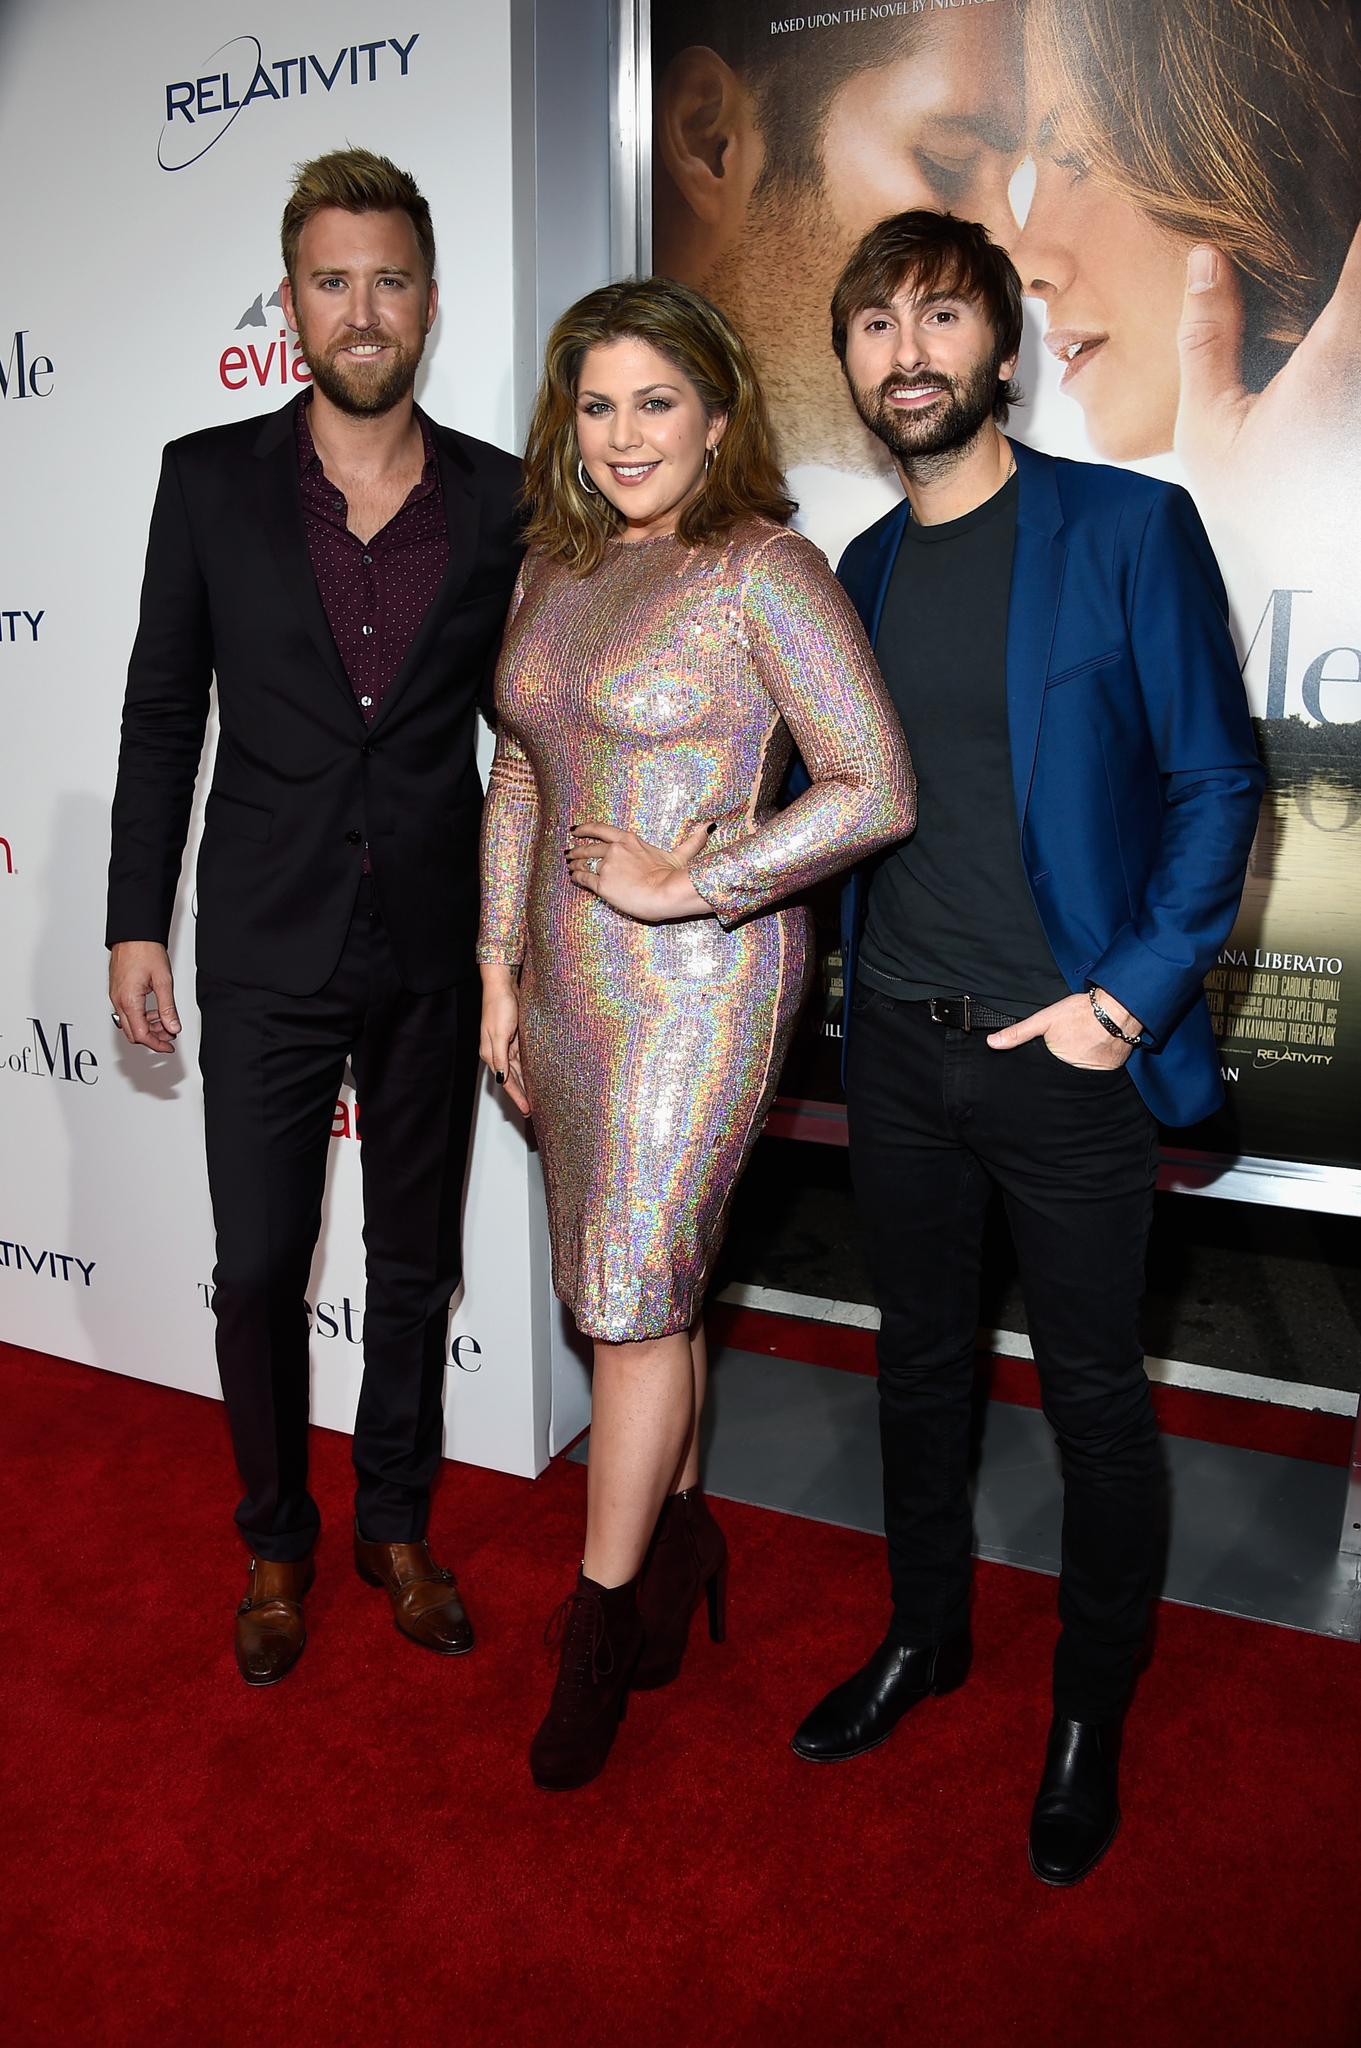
{"x":245,"y":821}
{"x":1082,"y":668}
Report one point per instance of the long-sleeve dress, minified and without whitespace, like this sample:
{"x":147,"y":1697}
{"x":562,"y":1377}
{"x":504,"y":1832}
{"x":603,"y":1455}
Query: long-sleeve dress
{"x":656,"y":693}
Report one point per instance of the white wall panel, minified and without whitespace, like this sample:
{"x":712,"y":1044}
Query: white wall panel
{"x":137,"y":295}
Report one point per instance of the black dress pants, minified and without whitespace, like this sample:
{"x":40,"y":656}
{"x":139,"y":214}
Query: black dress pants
{"x":272,"y":1069}
{"x":936,"y":1118}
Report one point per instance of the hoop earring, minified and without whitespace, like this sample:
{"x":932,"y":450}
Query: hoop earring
{"x":585,"y":481}
{"x":708,"y":460}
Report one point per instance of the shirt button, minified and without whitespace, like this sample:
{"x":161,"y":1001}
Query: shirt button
{"x":367,"y":747}
{"x":353,"y":838}
{"x":368,"y":630}
{"x":366,"y":558}
{"x":366,"y":701}
{"x":338,"y":503}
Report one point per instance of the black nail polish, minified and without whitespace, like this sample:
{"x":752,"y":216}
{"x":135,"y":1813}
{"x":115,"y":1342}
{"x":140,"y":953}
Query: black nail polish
{"x":500,"y":1077}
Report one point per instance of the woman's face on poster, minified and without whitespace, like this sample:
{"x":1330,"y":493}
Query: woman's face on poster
{"x":1112,"y":281}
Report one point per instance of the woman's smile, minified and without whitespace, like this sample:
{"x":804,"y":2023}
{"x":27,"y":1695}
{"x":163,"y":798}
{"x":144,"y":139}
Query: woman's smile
{"x":1073,"y":349}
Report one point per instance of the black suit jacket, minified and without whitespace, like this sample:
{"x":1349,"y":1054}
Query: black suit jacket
{"x":300,"y":783}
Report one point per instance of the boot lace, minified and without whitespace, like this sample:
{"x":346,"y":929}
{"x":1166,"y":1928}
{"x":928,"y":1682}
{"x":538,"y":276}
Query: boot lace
{"x":585,"y":1638}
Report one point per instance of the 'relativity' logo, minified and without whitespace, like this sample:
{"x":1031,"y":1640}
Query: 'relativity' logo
{"x":52,"y":1058}
{"x":22,"y":373}
{"x":11,"y":630}
{"x":26,"y":1262}
{"x":199,"y":111}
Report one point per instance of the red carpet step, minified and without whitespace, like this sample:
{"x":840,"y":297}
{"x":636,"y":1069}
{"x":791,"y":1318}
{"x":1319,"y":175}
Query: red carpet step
{"x":358,"y":1857}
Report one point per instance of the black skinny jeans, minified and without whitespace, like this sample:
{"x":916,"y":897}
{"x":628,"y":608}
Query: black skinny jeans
{"x":936,"y":1117}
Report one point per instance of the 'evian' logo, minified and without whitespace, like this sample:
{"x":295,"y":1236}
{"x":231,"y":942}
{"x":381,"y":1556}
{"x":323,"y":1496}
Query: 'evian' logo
{"x":252,"y":363}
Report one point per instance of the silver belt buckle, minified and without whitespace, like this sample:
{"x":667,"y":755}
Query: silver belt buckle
{"x":956,"y":1011}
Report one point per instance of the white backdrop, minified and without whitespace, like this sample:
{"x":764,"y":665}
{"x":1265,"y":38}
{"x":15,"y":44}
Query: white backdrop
{"x":140,"y":267}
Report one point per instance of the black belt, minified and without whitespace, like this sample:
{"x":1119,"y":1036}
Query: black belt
{"x":962,"y":1013}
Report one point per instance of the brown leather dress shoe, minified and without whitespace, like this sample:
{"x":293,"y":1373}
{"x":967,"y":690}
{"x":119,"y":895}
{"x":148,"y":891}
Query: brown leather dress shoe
{"x":425,"y":1602}
{"x":270,"y":1634}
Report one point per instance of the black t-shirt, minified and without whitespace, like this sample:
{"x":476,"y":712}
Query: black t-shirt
{"x":950,"y":912}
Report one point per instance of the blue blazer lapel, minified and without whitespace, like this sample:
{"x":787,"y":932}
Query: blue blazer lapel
{"x":1036,"y":585}
{"x":867,"y":586}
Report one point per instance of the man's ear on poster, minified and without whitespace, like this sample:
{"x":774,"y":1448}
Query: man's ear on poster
{"x":707,"y":136}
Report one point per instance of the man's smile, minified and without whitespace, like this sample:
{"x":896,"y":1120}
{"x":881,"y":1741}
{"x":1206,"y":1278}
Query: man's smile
{"x":914,"y":397}
{"x":361,"y":351}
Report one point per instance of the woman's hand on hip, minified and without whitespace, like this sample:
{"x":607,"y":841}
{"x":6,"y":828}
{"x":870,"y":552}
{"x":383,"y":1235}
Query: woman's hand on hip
{"x":500,"y":1047}
{"x":640,"y":880}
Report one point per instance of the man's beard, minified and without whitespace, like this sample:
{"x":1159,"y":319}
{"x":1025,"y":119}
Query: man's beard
{"x":929,"y":443}
{"x":363,"y":393}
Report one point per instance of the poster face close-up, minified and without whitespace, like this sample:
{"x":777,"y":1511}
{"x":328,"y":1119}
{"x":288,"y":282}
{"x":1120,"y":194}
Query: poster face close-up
{"x":1179,"y":185}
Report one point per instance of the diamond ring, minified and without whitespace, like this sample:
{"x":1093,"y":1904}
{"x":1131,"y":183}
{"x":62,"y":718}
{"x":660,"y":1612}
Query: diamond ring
{"x":593,"y":864}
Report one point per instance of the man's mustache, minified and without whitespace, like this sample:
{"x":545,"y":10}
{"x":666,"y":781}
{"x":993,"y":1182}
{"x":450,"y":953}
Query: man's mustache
{"x":924,"y":380}
{"x":365,"y":338}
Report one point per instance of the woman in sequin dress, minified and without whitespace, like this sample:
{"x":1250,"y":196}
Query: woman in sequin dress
{"x":669,"y":643}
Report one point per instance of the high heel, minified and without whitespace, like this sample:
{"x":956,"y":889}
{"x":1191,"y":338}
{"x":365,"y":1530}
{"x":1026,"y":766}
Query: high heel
{"x":688,"y":1553}
{"x":601,"y":1633}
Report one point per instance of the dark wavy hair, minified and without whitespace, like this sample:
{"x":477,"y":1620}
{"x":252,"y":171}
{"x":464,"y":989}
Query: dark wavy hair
{"x":744,"y":480}
{"x":935,"y":252}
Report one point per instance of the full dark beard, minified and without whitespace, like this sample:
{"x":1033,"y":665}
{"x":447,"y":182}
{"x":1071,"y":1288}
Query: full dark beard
{"x":363,"y":393}
{"x":928,"y":444}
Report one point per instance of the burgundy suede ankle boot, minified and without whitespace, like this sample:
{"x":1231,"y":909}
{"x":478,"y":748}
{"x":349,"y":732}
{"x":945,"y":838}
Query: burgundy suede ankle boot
{"x":601,"y":1634}
{"x":687,"y":1551}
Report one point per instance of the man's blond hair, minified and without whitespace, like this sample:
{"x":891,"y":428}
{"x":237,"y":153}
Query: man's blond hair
{"x":356,"y":181}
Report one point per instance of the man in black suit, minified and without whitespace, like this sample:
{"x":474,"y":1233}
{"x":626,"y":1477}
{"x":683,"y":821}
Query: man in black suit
{"x":343,"y":567}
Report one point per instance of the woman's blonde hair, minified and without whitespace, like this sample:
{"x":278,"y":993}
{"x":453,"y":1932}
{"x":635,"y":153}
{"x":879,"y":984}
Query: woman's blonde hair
{"x":1236,"y":122}
{"x":744,"y":478}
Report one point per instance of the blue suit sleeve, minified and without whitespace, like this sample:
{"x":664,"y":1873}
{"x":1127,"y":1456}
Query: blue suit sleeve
{"x":1212,"y":780}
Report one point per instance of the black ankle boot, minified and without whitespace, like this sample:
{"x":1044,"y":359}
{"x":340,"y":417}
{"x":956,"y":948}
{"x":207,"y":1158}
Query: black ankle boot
{"x":601,"y":1633}
{"x":687,"y":1552}
{"x":1077,"y":1808}
{"x":864,"y":1712}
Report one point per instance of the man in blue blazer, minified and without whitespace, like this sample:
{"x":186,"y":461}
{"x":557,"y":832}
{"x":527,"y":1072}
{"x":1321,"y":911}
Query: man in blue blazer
{"x":1024,"y":975}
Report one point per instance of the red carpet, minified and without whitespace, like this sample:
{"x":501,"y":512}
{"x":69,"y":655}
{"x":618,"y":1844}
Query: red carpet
{"x":359,"y":1858}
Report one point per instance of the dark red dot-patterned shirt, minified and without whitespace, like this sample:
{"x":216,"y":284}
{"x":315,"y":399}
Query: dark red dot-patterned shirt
{"x":376,"y":592}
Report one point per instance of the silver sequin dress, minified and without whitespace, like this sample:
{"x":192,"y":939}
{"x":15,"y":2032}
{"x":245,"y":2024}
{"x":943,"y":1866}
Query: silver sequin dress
{"x":660,"y":691}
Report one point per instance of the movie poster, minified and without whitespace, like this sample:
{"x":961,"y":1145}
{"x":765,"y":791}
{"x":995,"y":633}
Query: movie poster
{"x":1179,"y":184}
